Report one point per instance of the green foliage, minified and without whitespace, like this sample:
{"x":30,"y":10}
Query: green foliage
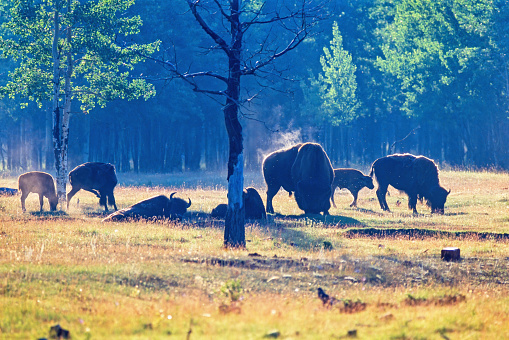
{"x":438,"y":50}
{"x":232,"y":289}
{"x":103,"y":58}
{"x":337,"y":83}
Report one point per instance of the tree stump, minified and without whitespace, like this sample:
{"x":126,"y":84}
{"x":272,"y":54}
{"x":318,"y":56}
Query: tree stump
{"x":450,"y":254}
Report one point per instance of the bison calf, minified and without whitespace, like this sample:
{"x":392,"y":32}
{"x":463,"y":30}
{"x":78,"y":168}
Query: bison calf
{"x":40,"y":183}
{"x":97,"y":178}
{"x":350,"y":179}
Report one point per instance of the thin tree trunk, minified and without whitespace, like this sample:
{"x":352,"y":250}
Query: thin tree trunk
{"x":66,"y":114}
{"x":57,"y":141}
{"x":234,"y":233}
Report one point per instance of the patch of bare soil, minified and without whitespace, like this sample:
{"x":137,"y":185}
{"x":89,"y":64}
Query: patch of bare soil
{"x":374,"y":270}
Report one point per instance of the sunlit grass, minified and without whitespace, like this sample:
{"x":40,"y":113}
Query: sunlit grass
{"x":152,"y":280}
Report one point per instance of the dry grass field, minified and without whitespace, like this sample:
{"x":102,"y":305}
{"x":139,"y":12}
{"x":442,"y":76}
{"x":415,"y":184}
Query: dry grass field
{"x":164,"y":279}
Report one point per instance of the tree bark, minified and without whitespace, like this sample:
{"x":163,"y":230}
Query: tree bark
{"x":57,"y":141}
{"x":234,"y":233}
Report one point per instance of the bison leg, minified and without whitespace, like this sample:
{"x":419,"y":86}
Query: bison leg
{"x":354,"y":194}
{"x":271,"y":192}
{"x":71,"y":193}
{"x":380,"y":194}
{"x":23,"y":198}
{"x":332,"y":196}
{"x":103,"y":201}
{"x":111,"y":200}
{"x":41,"y":201}
{"x":412,"y":203}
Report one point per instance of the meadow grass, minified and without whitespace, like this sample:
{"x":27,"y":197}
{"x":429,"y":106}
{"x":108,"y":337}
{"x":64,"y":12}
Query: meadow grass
{"x":154,"y":280}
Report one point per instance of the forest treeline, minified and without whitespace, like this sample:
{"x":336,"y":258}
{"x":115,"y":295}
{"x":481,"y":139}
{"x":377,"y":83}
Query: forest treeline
{"x":377,"y":77}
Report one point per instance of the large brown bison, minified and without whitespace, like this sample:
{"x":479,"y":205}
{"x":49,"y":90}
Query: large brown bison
{"x":153,"y":208}
{"x":41,"y":183}
{"x":312,"y":174}
{"x":97,"y":178}
{"x":304,"y":169}
{"x":277,"y":171}
{"x":417,"y":176}
{"x":253,"y":206}
{"x":350,"y":179}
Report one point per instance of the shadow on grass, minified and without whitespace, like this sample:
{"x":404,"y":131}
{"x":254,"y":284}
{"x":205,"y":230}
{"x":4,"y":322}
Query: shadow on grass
{"x":49,"y":214}
{"x":288,"y":229}
{"x":326,"y":220}
{"x":422,"y":233}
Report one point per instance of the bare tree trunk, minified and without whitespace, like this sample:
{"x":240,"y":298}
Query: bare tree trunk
{"x":61,"y":117}
{"x":66,"y":115}
{"x":234,"y":233}
{"x":57,"y":141}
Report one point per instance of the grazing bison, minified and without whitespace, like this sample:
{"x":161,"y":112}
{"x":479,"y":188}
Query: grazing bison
{"x":155,"y":207}
{"x":417,"y":176}
{"x":350,"y":179}
{"x":304,"y":169}
{"x":277,"y":171}
{"x":253,"y":206}
{"x":97,"y":178}
{"x":40,"y":183}
{"x":313,"y":175}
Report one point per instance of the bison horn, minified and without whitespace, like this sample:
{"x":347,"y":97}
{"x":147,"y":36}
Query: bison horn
{"x":189,"y":202}
{"x":449,"y":192}
{"x":173,"y":193}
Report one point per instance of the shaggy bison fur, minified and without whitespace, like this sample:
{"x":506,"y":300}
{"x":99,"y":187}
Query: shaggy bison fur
{"x":97,"y":178}
{"x":350,"y":179}
{"x":277,"y":171}
{"x":156,"y":207}
{"x":40,"y":183}
{"x":417,"y":176}
{"x":253,"y":206}
{"x":304,"y":169}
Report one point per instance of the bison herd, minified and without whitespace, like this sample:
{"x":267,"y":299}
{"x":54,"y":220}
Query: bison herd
{"x":303,"y":170}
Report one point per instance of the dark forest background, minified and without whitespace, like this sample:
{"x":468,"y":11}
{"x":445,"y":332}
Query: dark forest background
{"x":431,"y":78}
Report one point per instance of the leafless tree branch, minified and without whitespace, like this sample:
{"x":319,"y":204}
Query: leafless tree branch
{"x":220,"y":41}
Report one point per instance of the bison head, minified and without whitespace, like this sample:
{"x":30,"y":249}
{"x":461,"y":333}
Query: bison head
{"x":53,"y":202}
{"x":178,"y":207}
{"x":436,"y":199}
{"x":368,"y":182}
{"x":313,"y":197}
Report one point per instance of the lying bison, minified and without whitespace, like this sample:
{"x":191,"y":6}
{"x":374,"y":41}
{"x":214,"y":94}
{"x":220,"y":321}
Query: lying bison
{"x":304,"y":169}
{"x":253,"y":206}
{"x":156,"y":207}
{"x":350,"y":179}
{"x":8,"y":191}
{"x":40,"y":183}
{"x":97,"y":178}
{"x":417,"y":176}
